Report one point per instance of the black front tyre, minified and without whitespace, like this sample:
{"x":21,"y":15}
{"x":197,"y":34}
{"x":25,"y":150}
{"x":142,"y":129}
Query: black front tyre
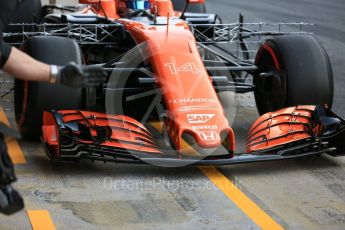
{"x":292,"y":70}
{"x":32,"y":98}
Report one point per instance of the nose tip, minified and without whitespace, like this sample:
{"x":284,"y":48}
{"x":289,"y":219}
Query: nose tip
{"x":203,"y":138}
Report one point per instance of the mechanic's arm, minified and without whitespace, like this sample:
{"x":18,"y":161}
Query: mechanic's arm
{"x":22,"y":66}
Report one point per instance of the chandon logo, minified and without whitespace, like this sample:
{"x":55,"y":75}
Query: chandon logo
{"x":193,"y":100}
{"x":199,"y":118}
{"x":188,"y":67}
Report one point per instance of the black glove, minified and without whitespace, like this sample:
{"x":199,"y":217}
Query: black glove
{"x":78,"y":76}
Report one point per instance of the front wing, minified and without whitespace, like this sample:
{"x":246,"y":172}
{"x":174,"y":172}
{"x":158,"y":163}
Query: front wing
{"x":289,"y":133}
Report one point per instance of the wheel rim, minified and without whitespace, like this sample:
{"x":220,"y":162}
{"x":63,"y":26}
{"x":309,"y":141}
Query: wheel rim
{"x":269,"y":93}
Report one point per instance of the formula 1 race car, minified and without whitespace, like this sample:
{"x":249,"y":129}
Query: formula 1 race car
{"x":173,"y":68}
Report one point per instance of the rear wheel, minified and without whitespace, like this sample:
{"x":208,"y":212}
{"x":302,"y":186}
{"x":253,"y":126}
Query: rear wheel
{"x":292,"y":70}
{"x":32,"y":98}
{"x":193,"y":8}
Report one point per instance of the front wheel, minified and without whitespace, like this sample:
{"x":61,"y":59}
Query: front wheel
{"x":292,"y":70}
{"x":32,"y":98}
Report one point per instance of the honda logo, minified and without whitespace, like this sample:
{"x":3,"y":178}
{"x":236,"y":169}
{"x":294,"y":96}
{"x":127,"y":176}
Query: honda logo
{"x":208,"y":135}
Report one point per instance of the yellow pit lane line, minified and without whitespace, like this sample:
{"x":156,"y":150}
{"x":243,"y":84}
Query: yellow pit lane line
{"x":14,"y":150}
{"x":39,"y":219}
{"x":254,"y":212}
{"x":232,"y":192}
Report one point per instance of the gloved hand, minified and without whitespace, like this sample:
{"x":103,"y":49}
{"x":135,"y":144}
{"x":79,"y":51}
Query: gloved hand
{"x":78,"y":76}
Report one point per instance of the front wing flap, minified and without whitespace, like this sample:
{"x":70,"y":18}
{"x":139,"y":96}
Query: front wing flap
{"x":73,"y":134}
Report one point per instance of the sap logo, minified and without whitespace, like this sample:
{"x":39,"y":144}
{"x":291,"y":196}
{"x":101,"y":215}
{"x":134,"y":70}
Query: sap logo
{"x":208,"y":135}
{"x":188,"y":67}
{"x":199,"y":118}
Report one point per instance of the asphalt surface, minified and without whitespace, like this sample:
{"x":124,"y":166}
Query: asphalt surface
{"x":298,"y":194}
